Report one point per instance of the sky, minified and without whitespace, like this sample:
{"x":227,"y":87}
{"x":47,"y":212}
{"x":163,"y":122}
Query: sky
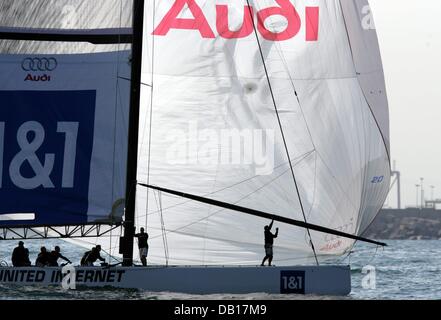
{"x":410,"y":40}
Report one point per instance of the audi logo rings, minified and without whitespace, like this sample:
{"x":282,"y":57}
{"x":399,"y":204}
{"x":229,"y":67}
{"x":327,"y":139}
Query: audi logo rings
{"x":39,"y":64}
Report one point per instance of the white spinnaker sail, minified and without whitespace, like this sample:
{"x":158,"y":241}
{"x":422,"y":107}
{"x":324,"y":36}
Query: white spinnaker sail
{"x":198,"y":84}
{"x":204,"y":84}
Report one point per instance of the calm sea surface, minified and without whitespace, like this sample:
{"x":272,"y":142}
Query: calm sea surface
{"x":404,"y":270}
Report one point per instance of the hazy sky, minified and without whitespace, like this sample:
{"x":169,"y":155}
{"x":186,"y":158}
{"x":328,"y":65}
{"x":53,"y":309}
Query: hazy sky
{"x":410,"y":40}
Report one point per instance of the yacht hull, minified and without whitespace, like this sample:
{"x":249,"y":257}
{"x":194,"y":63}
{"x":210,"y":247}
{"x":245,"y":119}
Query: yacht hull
{"x":320,"y":280}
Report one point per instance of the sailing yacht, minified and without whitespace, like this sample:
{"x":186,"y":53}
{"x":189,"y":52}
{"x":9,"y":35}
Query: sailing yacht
{"x":201,"y":121}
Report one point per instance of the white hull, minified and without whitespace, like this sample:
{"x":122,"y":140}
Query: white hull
{"x":323,"y":280}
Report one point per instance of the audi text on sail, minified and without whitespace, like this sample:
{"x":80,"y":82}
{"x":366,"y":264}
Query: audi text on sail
{"x":200,"y":23}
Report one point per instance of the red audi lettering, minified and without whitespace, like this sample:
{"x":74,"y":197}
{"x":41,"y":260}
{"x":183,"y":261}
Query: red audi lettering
{"x":171,"y":20}
{"x":199,"y":22}
{"x":312,"y":23}
{"x":286,"y":10}
{"x":222,"y":24}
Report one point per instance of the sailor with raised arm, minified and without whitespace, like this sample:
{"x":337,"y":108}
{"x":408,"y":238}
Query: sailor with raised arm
{"x":143,"y":246}
{"x":269,"y":240}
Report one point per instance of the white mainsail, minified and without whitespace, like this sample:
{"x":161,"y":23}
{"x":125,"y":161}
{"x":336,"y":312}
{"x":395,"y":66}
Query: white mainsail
{"x":310,"y":90}
{"x":76,"y":91}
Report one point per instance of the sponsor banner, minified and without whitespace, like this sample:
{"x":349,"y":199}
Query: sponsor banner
{"x":55,"y":276}
{"x":63,"y":132}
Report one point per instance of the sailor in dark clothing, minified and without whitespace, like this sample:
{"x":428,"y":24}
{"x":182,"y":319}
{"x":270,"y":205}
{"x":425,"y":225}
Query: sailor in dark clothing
{"x":269,"y":240}
{"x":55,"y":255}
{"x":143,"y":245}
{"x":91,"y":256}
{"x":43,"y":258}
{"x":20,"y":256}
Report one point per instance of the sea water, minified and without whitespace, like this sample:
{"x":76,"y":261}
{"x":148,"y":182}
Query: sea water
{"x":403,"y":270}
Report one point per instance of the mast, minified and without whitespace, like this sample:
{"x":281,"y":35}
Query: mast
{"x":126,"y":244}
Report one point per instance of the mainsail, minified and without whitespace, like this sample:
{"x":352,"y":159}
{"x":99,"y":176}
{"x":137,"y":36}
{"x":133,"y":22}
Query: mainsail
{"x":64,"y":113}
{"x":276,"y":105}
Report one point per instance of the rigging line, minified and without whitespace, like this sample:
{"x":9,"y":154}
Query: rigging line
{"x":151,"y":111}
{"x":237,"y":76}
{"x":303,"y":115}
{"x":361,"y":150}
{"x":375,"y":255}
{"x":130,"y":80}
{"x":158,"y":201}
{"x":265,"y":215}
{"x":248,"y":242}
{"x":371,"y":259}
{"x":315,"y":185}
{"x":243,"y":181}
{"x":364,"y":94}
{"x":279,"y":51}
{"x":379,"y":127}
{"x":281,"y":128}
{"x":291,"y":80}
{"x":365,"y":168}
{"x":149,"y":126}
{"x":120,"y":23}
{"x":255,"y":245}
{"x":392,"y":184}
{"x":385,"y":145}
{"x":231,"y":241}
{"x":347,"y":255}
{"x":236,"y":202}
{"x":110,"y":245}
{"x":117,"y":91}
{"x":116,"y":112}
{"x":164,"y":231}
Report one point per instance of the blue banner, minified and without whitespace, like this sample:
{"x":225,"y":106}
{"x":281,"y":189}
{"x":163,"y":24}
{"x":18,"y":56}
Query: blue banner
{"x":46,"y":142}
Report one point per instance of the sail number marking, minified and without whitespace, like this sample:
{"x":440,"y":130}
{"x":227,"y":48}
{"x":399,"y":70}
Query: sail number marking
{"x":30,"y":138}
{"x":376,"y":180}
